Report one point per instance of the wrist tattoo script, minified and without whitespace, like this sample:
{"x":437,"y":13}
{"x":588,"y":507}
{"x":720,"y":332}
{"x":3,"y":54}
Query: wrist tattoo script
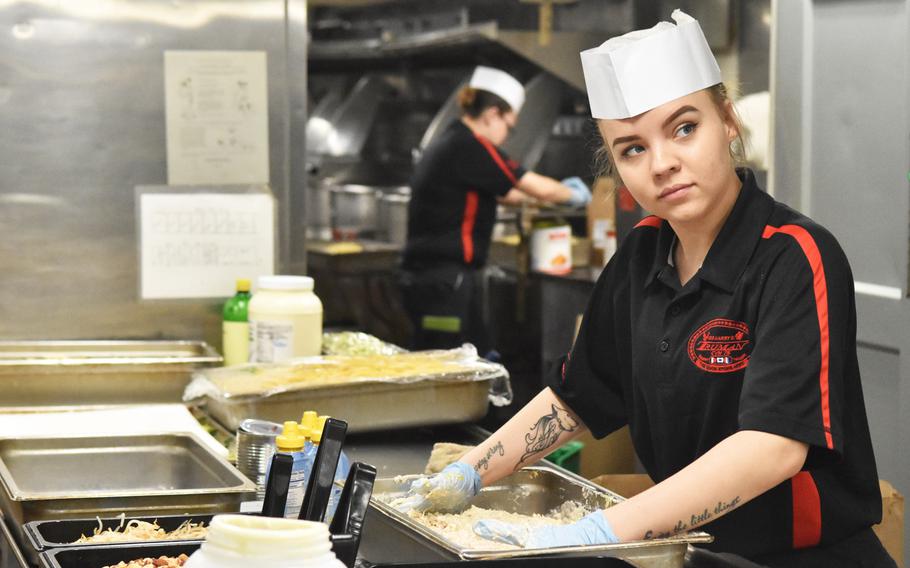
{"x":546,"y":431}
{"x":484,"y":462}
{"x":697,"y":519}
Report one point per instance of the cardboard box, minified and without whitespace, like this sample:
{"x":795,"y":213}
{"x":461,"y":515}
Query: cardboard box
{"x":891,"y":530}
{"x":626,"y":484}
{"x":601,"y":219}
{"x":613,"y":454}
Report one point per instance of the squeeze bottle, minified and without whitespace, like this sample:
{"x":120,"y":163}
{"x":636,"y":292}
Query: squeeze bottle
{"x":235,"y":327}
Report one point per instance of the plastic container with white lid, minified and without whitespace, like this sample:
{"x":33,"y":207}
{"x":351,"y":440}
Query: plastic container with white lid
{"x":241,"y":541}
{"x":285,"y":319}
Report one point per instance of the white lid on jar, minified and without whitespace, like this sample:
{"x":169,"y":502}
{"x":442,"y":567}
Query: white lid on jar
{"x":282,"y":282}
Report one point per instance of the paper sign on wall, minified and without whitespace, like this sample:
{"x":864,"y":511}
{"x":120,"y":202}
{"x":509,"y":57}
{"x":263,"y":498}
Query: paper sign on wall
{"x":195,"y":245}
{"x":217,"y":117}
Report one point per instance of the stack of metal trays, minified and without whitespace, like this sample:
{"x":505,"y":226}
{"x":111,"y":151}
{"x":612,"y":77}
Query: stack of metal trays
{"x":143,"y":475}
{"x":54,"y":373}
{"x":395,"y":537}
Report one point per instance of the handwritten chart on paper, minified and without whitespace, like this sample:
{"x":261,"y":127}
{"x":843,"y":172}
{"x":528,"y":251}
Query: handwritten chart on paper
{"x":216,"y":106}
{"x":196,"y":245}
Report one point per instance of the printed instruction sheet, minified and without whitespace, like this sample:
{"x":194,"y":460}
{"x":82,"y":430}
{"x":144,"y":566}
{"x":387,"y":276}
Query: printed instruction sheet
{"x":196,"y":245}
{"x":217,"y":117}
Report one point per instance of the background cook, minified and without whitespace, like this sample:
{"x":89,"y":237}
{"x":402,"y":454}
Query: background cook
{"x":454,"y":191}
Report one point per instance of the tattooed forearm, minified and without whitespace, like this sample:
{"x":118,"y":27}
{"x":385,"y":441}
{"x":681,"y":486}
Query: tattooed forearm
{"x":697,"y":519}
{"x":546,"y":432}
{"x":484,"y":462}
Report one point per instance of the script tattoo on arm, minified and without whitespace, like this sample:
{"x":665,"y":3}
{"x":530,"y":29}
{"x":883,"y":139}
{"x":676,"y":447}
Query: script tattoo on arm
{"x":484,"y":462}
{"x":546,"y":431}
{"x":697,"y":519}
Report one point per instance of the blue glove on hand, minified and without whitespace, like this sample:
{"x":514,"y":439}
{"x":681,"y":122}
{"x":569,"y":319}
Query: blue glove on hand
{"x":448,"y":491}
{"x":581,"y":195}
{"x":591,"y":529}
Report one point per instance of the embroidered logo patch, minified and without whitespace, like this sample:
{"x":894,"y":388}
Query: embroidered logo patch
{"x":720,"y":346}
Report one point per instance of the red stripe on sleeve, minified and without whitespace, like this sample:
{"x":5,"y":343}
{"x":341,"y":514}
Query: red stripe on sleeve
{"x":807,"y":511}
{"x":650,"y":221}
{"x":467,"y":226}
{"x":810,"y":249}
{"x":494,"y":153}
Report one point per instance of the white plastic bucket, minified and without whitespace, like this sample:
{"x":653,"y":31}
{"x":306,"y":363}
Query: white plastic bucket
{"x":551,"y":250}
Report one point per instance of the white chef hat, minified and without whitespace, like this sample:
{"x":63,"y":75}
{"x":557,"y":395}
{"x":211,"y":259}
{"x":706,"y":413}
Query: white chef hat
{"x":643,"y":69}
{"x":500,"y":84}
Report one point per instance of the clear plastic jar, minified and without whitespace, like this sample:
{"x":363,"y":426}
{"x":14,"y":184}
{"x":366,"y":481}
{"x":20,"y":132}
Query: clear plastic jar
{"x":285,"y":319}
{"x":242,"y":541}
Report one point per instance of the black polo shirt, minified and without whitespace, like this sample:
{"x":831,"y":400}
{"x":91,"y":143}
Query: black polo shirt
{"x":763,"y":337}
{"x":453,"y":199}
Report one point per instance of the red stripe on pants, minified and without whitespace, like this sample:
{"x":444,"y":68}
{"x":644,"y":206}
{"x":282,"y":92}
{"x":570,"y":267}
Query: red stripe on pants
{"x":467,"y":226}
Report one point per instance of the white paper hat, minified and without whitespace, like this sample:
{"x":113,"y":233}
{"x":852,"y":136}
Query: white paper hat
{"x":500,"y":84}
{"x":643,"y":69}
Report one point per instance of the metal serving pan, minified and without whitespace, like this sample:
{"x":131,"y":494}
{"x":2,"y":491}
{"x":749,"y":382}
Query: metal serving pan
{"x":364,"y":406}
{"x":78,"y":477}
{"x":393,"y":536}
{"x":53,"y":373}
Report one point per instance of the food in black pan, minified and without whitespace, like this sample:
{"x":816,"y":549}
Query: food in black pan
{"x":142,"y":531}
{"x":160,"y":562}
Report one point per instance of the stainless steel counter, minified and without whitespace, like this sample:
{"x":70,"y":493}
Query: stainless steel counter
{"x":403,"y":452}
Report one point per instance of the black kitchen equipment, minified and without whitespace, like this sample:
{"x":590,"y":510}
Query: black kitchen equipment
{"x":530,"y":562}
{"x":347,"y":525}
{"x":277,"y":485}
{"x":110,"y":555}
{"x":319,"y":486}
{"x":45,"y":535}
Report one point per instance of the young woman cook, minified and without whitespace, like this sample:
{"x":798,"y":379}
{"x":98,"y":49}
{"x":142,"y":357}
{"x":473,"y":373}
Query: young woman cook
{"x":454,"y":191}
{"x":722,"y":332}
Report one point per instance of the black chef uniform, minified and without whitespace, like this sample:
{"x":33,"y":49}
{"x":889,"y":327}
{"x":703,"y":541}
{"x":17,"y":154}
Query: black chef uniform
{"x":762,"y":338}
{"x":450,"y":224}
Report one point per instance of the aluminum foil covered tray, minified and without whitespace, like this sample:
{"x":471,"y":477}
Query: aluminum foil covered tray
{"x":77,"y":477}
{"x":393,"y":536}
{"x":370,"y":392}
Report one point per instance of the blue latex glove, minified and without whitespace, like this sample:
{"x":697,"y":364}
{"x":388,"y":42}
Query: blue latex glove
{"x":581,"y":194}
{"x":446,"y":492}
{"x":591,"y":529}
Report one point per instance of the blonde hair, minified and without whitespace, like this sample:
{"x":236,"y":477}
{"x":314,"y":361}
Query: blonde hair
{"x":604,"y":166}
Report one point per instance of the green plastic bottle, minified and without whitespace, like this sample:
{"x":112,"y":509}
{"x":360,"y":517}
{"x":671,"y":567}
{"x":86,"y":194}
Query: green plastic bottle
{"x":235,"y":326}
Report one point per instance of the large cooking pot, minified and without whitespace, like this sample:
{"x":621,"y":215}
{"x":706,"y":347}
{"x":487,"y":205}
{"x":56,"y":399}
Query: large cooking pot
{"x":393,"y":215}
{"x":318,"y":212}
{"x":354,"y":210}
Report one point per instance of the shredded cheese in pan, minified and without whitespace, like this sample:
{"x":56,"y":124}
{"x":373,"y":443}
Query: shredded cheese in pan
{"x":459,"y":528}
{"x":140,"y":531}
